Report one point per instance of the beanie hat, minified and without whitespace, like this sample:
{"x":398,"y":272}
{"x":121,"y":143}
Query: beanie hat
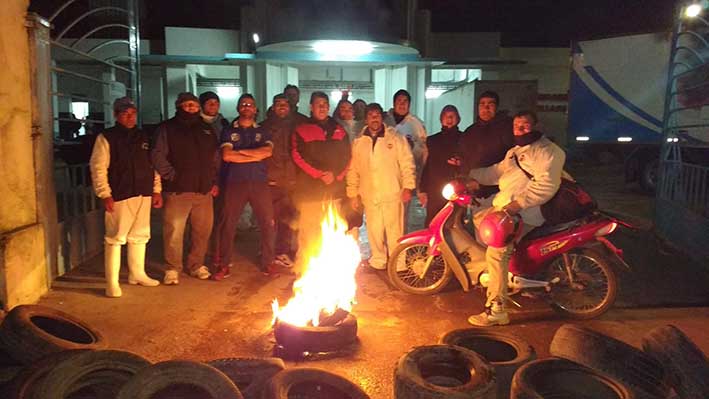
{"x":122,"y":104}
{"x":185,"y":96}
{"x":206,"y":96}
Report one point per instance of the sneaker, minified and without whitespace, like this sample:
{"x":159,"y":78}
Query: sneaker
{"x":284,"y":260}
{"x":201,"y":273}
{"x":490,"y":318}
{"x":271,"y":271}
{"x":221,"y":273}
{"x":172,"y":277}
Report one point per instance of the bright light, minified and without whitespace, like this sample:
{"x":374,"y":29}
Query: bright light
{"x":693,"y":10}
{"x":228,"y":92}
{"x":448,"y":192}
{"x":339,"y":50}
{"x":432,"y":93}
{"x":256,"y":38}
{"x":625,"y":139}
{"x":582,"y":138}
{"x":336,"y":96}
{"x":673,"y":140}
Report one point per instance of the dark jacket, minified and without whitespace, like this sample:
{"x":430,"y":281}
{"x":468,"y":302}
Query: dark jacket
{"x":130,"y":172}
{"x":185,"y":154}
{"x":437,"y":171}
{"x":486,"y":143}
{"x":281,"y":169}
{"x":319,"y":147}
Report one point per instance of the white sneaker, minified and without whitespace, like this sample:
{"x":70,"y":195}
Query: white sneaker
{"x":284,"y":260}
{"x":201,"y":273}
{"x":172,"y":277}
{"x":490,"y":317}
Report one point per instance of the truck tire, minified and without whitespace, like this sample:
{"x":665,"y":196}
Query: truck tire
{"x":505,"y":352}
{"x":443,"y":371}
{"x":31,"y":332}
{"x":249,"y":375}
{"x":311,"y":383}
{"x":687,"y":366}
{"x":643,"y":374}
{"x":559,"y":378}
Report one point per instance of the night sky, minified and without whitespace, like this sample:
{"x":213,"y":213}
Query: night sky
{"x":523,"y":22}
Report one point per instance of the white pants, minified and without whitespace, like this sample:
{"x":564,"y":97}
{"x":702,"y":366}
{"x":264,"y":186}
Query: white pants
{"x":129,"y":221}
{"x":385,"y":225}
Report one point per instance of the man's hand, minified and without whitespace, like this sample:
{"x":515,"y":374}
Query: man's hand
{"x":327,"y":178}
{"x":108,"y":204}
{"x":406,"y":195}
{"x":423,"y":198}
{"x":512,"y":208}
{"x":356,"y":203}
{"x":157,"y":200}
{"x":455,"y":161}
{"x":214,"y":191}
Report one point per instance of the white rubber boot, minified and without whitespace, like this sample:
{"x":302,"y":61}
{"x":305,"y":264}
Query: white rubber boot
{"x":112,"y":265}
{"x":136,"y":266}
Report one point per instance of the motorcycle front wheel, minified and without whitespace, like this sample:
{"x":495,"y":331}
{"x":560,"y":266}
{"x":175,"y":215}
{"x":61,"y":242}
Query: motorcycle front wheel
{"x":584,"y":285}
{"x":406,"y":264}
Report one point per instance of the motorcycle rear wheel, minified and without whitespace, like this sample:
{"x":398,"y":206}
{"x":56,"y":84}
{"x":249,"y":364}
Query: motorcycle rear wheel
{"x":593,"y":290}
{"x":436,"y":278}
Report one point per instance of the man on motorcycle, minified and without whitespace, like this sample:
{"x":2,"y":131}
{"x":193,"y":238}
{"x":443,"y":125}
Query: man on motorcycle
{"x":519,"y":195}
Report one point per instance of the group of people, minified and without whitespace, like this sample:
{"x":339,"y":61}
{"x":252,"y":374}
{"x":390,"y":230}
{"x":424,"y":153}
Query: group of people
{"x":289,"y":168}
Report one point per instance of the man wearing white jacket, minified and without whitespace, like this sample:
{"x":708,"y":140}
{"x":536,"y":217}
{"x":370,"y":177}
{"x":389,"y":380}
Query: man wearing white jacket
{"x":381,"y":178}
{"x":544,"y":162}
{"x":126,"y":182}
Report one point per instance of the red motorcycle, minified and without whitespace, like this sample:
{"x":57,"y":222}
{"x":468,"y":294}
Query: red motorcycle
{"x":568,"y":264}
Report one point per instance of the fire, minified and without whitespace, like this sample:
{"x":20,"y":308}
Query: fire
{"x":328,"y":281}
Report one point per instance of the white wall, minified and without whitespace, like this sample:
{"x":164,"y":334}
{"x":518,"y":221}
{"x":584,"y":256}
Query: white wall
{"x":204,"y":42}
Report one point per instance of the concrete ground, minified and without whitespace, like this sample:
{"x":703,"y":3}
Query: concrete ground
{"x":204,"y":320}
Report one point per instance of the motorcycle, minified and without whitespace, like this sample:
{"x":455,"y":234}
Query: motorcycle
{"x":567,"y":264}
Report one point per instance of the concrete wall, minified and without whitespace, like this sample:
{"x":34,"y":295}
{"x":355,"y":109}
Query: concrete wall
{"x":23,"y":266}
{"x":205,"y":42}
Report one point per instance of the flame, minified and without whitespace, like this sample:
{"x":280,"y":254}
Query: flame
{"x":328,"y":281}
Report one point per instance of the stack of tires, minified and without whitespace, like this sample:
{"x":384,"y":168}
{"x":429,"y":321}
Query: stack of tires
{"x":46,"y":354}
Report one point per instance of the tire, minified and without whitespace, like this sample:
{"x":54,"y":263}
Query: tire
{"x":102,"y":373}
{"x":596,"y":285}
{"x":443,"y":371}
{"x":687,"y":367}
{"x":180,"y":379}
{"x":311,"y":383}
{"x":505,"y":352}
{"x":21,"y":386}
{"x":649,"y":176}
{"x":438,"y":275}
{"x":316,"y":339}
{"x":559,"y":378}
{"x":31,"y":332}
{"x":249,"y":375}
{"x":640,"y":372}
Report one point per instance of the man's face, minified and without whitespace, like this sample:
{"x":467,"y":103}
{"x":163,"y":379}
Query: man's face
{"x":487,"y":108}
{"x":127,"y":118}
{"x":320,"y":108}
{"x":401,"y":105}
{"x":247,"y":108}
{"x":522,"y":125}
{"x":211,"y":107}
{"x":293,"y":96}
{"x":190,"y":106}
{"x":281,"y":108}
{"x":346,"y":112}
{"x":374,"y":120}
{"x":449,"y":119}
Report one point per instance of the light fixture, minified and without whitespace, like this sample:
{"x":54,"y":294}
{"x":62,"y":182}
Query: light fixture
{"x":582,"y":138}
{"x":256,"y":38}
{"x":336,"y":96}
{"x":693,"y":10}
{"x":338,"y":50}
{"x":625,"y":139}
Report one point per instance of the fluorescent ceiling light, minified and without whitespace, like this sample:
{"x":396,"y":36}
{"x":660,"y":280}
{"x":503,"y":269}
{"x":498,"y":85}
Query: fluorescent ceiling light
{"x":625,"y":139}
{"x":334,"y":50}
{"x":582,"y":138}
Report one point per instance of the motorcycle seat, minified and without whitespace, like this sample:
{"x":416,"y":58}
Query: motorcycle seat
{"x":545,"y":229}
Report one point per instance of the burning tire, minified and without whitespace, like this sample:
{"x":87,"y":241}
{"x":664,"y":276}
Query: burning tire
{"x":180,"y":378}
{"x":443,"y":371}
{"x":559,"y":378}
{"x":92,"y":373}
{"x":687,"y":366}
{"x":643,"y":374}
{"x":249,"y":375}
{"x":30,"y":332}
{"x":311,"y":383}
{"x":591,"y":289}
{"x":317,"y":339}
{"x":505,"y":352}
{"x":412,"y":280}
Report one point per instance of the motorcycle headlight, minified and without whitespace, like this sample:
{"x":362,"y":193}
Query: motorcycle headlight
{"x":449,"y":192}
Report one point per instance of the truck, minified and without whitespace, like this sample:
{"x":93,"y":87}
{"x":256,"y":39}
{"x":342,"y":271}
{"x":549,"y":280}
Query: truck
{"x":617,"y":95}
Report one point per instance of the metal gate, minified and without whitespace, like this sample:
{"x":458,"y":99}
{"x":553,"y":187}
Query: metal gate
{"x":682,"y":214}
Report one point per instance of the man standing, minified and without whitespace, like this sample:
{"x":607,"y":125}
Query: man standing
{"x":292,"y":92}
{"x":544,"y":162}
{"x":486,"y":141}
{"x":209,"y":102}
{"x":411,"y":128}
{"x":125,"y":181}
{"x":381,"y":178}
{"x":281,"y":177}
{"x":185,"y":155}
{"x":244,"y":148}
{"x":321,"y":152}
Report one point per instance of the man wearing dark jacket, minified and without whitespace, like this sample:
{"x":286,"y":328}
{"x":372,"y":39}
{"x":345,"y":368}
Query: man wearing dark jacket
{"x":321,"y":152}
{"x":210,"y":103}
{"x":486,"y":141}
{"x":185,"y":156}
